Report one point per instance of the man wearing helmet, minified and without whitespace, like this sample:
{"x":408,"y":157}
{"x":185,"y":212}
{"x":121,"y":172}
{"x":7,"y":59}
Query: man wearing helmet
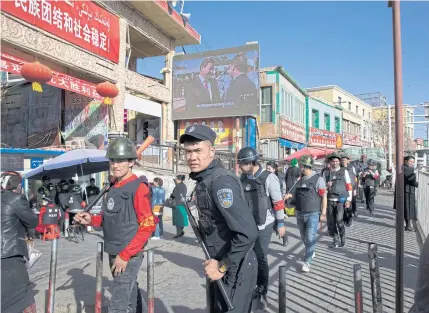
{"x":44,"y":189}
{"x":225,"y":221}
{"x":311,"y":203}
{"x":127,"y":224}
{"x":16,"y":219}
{"x":339,"y":198}
{"x":263,"y":194}
{"x":369,"y":178}
{"x":345,"y":162}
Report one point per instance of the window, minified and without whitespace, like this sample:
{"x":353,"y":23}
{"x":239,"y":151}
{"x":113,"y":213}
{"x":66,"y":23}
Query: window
{"x":339,"y":100}
{"x":337,"y":125}
{"x":315,"y":118}
{"x":369,"y":115}
{"x":289,"y":105}
{"x":267,"y":105}
{"x":363,"y":113}
{"x":350,"y":106}
{"x":283,"y":102}
{"x":357,"y":109}
{"x":327,"y":122}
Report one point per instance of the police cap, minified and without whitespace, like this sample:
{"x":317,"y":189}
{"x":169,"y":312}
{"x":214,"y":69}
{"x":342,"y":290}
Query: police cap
{"x":45,"y":177}
{"x":198,"y":132}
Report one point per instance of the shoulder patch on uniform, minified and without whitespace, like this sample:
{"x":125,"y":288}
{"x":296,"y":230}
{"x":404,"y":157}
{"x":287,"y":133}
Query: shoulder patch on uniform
{"x":110,"y":204}
{"x":225,"y":197}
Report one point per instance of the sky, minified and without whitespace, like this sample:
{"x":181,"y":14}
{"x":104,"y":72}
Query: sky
{"x":349,"y":44}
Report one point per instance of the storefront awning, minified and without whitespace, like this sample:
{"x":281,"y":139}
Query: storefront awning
{"x":141,"y":105}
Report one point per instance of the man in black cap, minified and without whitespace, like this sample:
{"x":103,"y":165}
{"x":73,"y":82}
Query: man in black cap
{"x":225,"y":220}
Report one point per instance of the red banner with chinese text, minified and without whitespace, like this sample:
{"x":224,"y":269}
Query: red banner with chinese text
{"x":13,"y":65}
{"x":82,"y":23}
{"x":352,"y":140}
{"x":291,"y":131}
{"x":322,"y":138}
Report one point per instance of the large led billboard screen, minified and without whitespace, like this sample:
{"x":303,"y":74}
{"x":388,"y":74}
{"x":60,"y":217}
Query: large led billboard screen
{"x":219,"y":83}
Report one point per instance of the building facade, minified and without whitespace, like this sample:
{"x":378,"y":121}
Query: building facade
{"x":86,"y":43}
{"x":323,"y":124}
{"x":282,"y":121}
{"x":356,"y":117}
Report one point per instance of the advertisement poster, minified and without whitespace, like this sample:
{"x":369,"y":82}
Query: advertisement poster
{"x":352,"y":140}
{"x":221,"y":83}
{"x":85,"y":117}
{"x":291,"y":131}
{"x":82,"y":23}
{"x":222,"y":126}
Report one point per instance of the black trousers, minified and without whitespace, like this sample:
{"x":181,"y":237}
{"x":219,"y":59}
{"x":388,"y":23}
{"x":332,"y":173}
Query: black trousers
{"x":335,"y":219}
{"x":261,"y":251}
{"x":16,"y":291}
{"x":369,"y":198}
{"x":354,"y":201}
{"x":239,"y":285}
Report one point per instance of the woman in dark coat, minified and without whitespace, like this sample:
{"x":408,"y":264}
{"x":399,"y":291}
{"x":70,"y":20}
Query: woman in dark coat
{"x":180,"y":217}
{"x":411,"y":184}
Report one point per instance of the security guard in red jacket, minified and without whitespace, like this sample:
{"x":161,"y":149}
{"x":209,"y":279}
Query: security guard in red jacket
{"x":128,"y":223}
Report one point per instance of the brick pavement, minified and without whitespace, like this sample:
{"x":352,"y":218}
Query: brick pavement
{"x":179,"y":280}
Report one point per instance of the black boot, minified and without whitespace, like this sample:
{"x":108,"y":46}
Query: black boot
{"x":408,"y":226}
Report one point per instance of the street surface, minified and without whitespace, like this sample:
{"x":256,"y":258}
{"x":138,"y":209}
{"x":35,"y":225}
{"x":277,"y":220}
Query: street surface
{"x":180,"y":283}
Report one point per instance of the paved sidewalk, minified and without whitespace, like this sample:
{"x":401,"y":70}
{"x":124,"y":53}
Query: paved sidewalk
{"x":180,"y":284}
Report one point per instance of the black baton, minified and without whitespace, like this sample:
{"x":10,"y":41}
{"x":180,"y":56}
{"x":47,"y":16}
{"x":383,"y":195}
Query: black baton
{"x":206,"y":253}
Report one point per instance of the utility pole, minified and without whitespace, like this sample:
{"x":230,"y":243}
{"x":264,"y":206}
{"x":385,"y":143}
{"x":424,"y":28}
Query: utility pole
{"x":389,"y":116}
{"x":399,"y":130}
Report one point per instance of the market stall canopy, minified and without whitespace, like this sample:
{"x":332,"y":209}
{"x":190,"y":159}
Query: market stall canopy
{"x":66,"y":165}
{"x":316,"y":153}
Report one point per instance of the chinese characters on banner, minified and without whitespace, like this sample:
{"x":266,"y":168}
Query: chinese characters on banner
{"x":352,"y":140}
{"x":323,"y":138}
{"x":222,"y":126}
{"x":291,"y":131}
{"x":82,"y":23}
{"x":13,"y":65}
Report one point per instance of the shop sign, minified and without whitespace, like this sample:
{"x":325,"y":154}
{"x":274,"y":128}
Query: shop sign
{"x":36,"y":162}
{"x":419,"y":141}
{"x":291,"y":131}
{"x":12,"y":162}
{"x":13,"y":65}
{"x":352,"y":140}
{"x":323,"y":138}
{"x":82,"y":23}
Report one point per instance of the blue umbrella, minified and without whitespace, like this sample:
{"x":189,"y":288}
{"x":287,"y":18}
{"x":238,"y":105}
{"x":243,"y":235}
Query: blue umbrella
{"x":80,"y":161}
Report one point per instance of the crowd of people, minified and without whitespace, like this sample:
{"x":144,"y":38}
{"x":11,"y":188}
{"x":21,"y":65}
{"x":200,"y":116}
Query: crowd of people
{"x":236,"y":216}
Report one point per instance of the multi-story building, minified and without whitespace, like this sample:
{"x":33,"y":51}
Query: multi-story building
{"x":323,"y":124}
{"x":86,"y":43}
{"x":282,"y":119}
{"x":356,"y":114}
{"x":380,"y":125}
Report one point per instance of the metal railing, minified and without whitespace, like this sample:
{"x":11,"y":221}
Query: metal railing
{"x":422,"y":202}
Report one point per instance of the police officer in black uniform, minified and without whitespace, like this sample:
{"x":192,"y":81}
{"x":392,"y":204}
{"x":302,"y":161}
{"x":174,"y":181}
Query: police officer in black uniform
{"x":44,"y":189}
{"x":225,"y":220}
{"x":16,"y":218}
{"x":369,"y":178}
{"x":91,"y":191}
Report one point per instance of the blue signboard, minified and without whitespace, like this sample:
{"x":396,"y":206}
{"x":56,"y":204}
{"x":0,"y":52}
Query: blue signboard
{"x":250,"y":135}
{"x":36,"y":162}
{"x":291,"y":144}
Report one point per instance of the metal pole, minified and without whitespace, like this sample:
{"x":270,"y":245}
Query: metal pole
{"x":282,"y":289}
{"x":99,"y":278}
{"x":66,"y":224}
{"x":399,"y":128}
{"x":374,"y":271}
{"x":237,"y":145}
{"x":357,"y":271}
{"x":390,"y":135}
{"x":150,"y":283}
{"x":52,"y":276}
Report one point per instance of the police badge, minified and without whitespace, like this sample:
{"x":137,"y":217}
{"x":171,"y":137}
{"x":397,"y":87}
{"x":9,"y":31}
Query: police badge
{"x":225,"y":198}
{"x":110,"y":204}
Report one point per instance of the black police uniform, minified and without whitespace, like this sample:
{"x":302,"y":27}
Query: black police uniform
{"x":229,"y":228}
{"x":91,"y":193}
{"x":370,"y":189}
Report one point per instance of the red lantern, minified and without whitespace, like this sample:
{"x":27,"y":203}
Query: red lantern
{"x":108,"y":91}
{"x":37,"y":74}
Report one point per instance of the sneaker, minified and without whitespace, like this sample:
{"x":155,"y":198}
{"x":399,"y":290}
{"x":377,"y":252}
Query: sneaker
{"x":305,"y":268}
{"x":155,"y":238}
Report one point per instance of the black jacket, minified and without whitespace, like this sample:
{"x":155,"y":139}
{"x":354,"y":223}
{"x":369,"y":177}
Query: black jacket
{"x":16,"y":218}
